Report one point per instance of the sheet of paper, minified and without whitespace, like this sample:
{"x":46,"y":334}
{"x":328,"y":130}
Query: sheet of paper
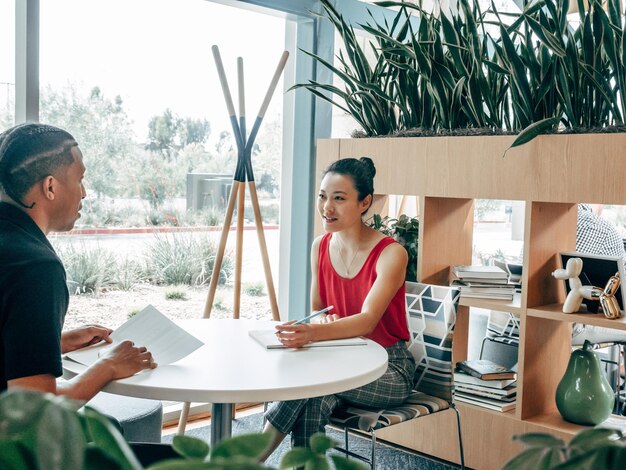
{"x":166,"y":341}
{"x":267,"y":338}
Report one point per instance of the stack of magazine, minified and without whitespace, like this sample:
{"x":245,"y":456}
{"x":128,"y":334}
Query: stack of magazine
{"x":486,"y":384}
{"x":483,"y":282}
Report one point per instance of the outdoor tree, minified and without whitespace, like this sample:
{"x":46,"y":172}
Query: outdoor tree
{"x":6,"y":120}
{"x":168,"y":134}
{"x":267,"y":155}
{"x":102,"y":129}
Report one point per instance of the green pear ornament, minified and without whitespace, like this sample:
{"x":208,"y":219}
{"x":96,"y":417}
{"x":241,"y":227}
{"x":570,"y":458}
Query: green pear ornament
{"x":584,"y":396}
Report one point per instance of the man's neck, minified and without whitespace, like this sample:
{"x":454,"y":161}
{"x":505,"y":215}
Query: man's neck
{"x":32,"y":213}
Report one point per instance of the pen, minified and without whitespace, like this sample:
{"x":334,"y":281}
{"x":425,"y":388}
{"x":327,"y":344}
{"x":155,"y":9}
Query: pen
{"x":314,"y":314}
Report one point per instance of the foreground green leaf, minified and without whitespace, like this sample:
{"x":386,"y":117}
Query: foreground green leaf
{"x":320,"y":443}
{"x":190,"y":447}
{"x":108,"y":438}
{"x":248,"y":445}
{"x":296,"y":457}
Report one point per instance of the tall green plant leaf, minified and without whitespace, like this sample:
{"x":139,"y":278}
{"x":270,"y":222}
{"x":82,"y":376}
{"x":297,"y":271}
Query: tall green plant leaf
{"x":533,"y":131}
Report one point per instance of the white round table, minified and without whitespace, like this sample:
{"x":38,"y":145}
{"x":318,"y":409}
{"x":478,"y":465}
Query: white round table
{"x":231,"y":367}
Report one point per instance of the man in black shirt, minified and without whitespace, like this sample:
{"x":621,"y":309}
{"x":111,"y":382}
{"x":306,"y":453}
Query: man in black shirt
{"x":41,"y":190}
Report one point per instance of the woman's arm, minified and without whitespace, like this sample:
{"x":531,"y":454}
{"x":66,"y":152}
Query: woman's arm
{"x":316,"y":301}
{"x":390,"y":271}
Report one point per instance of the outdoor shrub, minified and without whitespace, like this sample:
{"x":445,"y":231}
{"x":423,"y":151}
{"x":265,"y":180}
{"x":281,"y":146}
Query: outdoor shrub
{"x":270,"y":212}
{"x":133,"y":312}
{"x":176,"y":293}
{"x":207,"y":216}
{"x":218,"y":303}
{"x":129,"y":273}
{"x":154,"y":217}
{"x":255,"y":290}
{"x":88,"y":269}
{"x":188,"y":259}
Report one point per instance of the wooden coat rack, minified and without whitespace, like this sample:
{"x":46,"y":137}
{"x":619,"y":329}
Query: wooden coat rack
{"x":243,"y":174}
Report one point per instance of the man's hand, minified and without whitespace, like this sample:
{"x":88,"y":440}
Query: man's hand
{"x":87,"y":335}
{"x":126,"y":359}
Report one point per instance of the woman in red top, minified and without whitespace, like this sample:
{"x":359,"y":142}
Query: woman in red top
{"x":361,"y":272}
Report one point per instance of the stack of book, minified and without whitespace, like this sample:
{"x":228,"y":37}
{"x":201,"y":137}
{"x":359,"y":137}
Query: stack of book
{"x":486,"y":384}
{"x":484,"y":282}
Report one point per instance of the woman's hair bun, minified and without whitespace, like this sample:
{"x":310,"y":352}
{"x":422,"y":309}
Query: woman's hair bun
{"x":369,"y":164}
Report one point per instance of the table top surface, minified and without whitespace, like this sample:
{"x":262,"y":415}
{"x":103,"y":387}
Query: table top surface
{"x":232,"y":367}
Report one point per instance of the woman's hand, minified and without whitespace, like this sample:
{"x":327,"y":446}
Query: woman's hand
{"x":329,"y":318}
{"x":126,"y":359}
{"x":294,"y":336}
{"x":83,"y":336}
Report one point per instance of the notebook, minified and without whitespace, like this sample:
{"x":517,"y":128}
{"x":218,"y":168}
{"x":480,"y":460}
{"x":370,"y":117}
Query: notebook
{"x":267,"y":338}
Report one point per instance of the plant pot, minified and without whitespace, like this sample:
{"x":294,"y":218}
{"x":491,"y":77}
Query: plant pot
{"x":149,"y":453}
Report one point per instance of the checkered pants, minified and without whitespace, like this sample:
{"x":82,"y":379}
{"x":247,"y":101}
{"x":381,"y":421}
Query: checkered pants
{"x":303,"y":418}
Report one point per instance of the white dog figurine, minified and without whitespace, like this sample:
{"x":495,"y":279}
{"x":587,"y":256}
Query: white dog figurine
{"x":577,"y":292}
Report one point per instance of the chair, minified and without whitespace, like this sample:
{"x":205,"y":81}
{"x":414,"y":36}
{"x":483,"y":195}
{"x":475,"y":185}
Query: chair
{"x":141,"y":419}
{"x":431,"y":315}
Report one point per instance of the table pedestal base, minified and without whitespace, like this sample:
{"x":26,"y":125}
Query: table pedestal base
{"x":221,"y":422}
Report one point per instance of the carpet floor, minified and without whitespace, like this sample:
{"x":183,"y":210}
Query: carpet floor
{"x":387,"y":457}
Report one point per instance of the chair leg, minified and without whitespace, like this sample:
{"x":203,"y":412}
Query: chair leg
{"x":458,"y":423}
{"x":346,"y":451}
{"x":182,"y":421}
{"x":373,"y":456}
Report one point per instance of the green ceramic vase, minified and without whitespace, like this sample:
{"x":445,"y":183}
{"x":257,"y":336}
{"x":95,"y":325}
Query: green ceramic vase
{"x":584,"y":395}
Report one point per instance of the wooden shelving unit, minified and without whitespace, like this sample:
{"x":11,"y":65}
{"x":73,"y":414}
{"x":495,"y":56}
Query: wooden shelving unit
{"x":551,"y":174}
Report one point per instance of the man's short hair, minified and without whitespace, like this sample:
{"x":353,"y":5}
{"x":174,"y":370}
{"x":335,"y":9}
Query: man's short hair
{"x":29,"y":153}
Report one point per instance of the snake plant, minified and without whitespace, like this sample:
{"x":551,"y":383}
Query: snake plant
{"x":469,"y":69}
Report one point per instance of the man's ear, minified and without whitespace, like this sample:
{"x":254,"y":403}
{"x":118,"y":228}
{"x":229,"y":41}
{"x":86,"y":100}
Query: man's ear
{"x":48,"y":187}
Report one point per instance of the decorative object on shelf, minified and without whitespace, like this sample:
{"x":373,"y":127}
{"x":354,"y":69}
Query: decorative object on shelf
{"x":584,"y":395}
{"x":597,"y":270}
{"x":577,"y":292}
{"x":608,"y":302}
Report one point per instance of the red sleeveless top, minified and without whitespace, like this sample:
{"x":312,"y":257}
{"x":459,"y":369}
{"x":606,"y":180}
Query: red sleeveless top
{"x":348,"y":295}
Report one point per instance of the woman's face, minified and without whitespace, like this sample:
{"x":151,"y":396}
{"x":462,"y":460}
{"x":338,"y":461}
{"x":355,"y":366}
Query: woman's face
{"x":338,"y":202}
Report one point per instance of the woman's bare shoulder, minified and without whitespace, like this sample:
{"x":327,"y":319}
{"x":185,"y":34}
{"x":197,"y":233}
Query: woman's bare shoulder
{"x":317,"y":241}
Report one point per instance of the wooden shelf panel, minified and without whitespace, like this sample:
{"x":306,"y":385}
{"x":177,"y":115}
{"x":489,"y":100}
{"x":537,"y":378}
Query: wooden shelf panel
{"x":555,"y":422}
{"x":555,"y":312}
{"x":473,"y":167}
{"x":511,"y":306}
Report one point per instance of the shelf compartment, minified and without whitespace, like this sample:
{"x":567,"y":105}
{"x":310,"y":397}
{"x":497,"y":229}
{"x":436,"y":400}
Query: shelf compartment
{"x":511,"y":306}
{"x":555,"y":312}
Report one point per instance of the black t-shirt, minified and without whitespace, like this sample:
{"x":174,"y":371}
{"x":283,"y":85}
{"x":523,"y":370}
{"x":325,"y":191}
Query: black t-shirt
{"x":33,"y":299}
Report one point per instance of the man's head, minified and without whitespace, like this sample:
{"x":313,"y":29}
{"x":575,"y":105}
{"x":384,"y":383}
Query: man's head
{"x":41,"y":170}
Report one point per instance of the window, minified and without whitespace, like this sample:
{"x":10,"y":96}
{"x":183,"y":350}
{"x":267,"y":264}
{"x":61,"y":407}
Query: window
{"x":7,"y":64}
{"x":136,"y":84}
